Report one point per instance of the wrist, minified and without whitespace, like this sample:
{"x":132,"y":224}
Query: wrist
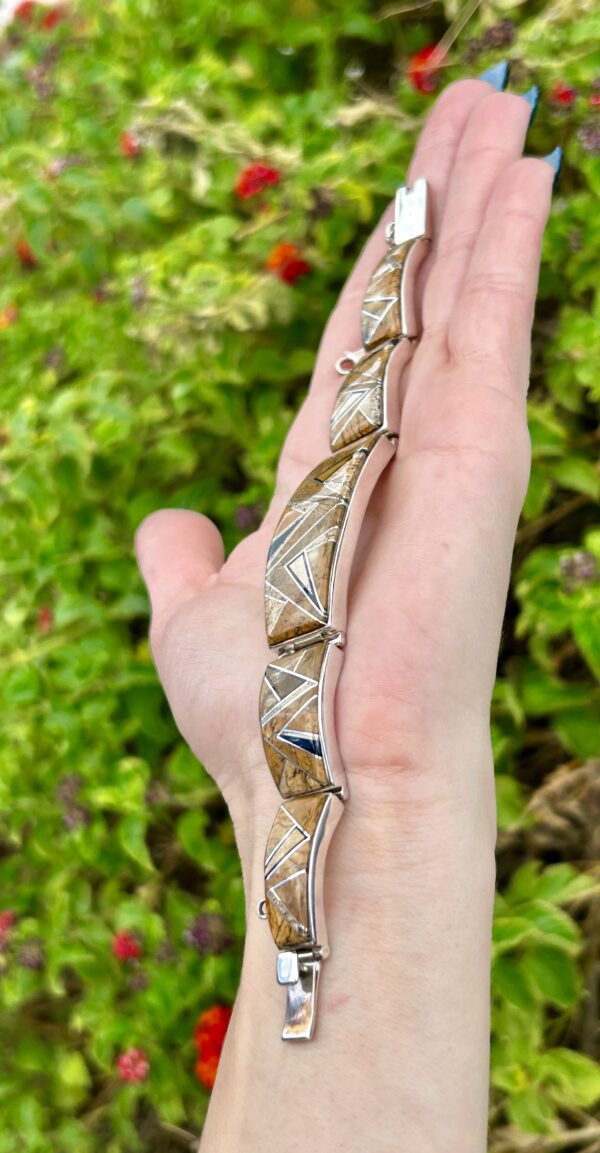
{"x":436,"y":801}
{"x":405,"y":992}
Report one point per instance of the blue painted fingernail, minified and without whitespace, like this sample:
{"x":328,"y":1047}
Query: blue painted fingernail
{"x":497,"y":76}
{"x":555,"y":159}
{"x":532,"y":98}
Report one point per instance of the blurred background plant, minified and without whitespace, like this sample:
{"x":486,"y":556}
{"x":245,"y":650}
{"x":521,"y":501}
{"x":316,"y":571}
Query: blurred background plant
{"x":184,"y":186}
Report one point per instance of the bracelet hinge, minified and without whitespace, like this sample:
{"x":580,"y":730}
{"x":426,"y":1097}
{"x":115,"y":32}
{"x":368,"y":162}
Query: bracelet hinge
{"x":325,"y":634}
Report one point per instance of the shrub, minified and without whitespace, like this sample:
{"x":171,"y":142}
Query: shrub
{"x":158,"y":327}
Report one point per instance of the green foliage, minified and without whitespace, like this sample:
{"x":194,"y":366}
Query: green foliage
{"x":150,"y":359}
{"x":535,"y":951}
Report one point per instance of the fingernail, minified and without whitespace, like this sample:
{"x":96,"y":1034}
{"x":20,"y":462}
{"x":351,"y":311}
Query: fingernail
{"x":555,"y":159}
{"x":497,"y":76}
{"x":532,"y":98}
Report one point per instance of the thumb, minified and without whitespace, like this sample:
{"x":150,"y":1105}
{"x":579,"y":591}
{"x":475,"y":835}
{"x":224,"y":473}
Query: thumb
{"x":177,"y":553}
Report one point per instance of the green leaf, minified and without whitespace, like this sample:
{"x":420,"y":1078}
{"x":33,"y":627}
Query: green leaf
{"x":579,"y":730}
{"x":31,"y":1054}
{"x":510,"y":801}
{"x":586,"y":630}
{"x":72,"y":1070}
{"x":552,"y":923}
{"x":132,"y":837}
{"x":22,"y":686}
{"x":539,"y":491}
{"x":531,"y":1111}
{"x":190,"y":832}
{"x":508,"y":932}
{"x":555,"y":883}
{"x":510,"y":979}
{"x":577,"y":474}
{"x":571,"y":1078}
{"x":554,"y":975}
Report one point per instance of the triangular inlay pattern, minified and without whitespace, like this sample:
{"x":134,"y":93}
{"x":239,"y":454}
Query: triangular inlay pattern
{"x":360,"y":403}
{"x":289,"y":718}
{"x":287,"y":860}
{"x":298,"y":581}
{"x":381,"y":317}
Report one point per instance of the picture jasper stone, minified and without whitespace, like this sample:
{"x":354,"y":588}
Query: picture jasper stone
{"x":290,"y":847}
{"x":291,"y":726}
{"x":360,"y":405}
{"x":301,"y":557}
{"x":381,"y":316}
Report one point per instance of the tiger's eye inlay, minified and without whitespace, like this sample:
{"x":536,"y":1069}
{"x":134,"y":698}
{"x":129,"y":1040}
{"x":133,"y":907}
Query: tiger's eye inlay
{"x":292,"y":727}
{"x":290,"y":856}
{"x":302,"y":553}
{"x":381,"y":317}
{"x":360,"y":405}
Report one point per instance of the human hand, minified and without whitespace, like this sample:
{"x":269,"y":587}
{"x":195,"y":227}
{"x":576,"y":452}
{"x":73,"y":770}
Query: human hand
{"x":410,"y":873}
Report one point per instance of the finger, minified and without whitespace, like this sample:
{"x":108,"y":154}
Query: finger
{"x":493,"y":138}
{"x":177,"y":552}
{"x":308,"y":439}
{"x":433,"y":159}
{"x":491,"y":322}
{"x":450,"y":504}
{"x":465,"y":415}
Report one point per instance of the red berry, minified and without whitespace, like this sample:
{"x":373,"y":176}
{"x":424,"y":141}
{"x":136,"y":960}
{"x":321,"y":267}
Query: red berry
{"x":126,"y":947}
{"x":24,"y":11}
{"x":293,"y":270}
{"x":52,"y":17}
{"x":133,"y":1065}
{"x":423,"y":68}
{"x":287,"y":263}
{"x":595,"y":100}
{"x":563,"y":94}
{"x":254,"y":179}
{"x":25,"y":253}
{"x":206,"y":1070}
{"x":130,"y":144}
{"x":7,"y":920}
{"x":209,"y":1035}
{"x":45,"y":619}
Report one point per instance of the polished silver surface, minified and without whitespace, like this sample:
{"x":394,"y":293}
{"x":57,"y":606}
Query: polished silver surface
{"x":288,"y":971}
{"x":330,"y":816}
{"x":411,"y":214}
{"x":345,"y":363}
{"x":301,"y":1004}
{"x":379,"y":457}
{"x":327,"y":633}
{"x":332,"y":667}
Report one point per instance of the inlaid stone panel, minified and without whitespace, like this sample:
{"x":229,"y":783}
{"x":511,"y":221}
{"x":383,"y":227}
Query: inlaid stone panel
{"x":289,"y":857}
{"x":360,"y":405}
{"x":292,"y":727}
{"x":302,"y":553}
{"x":382,"y":318}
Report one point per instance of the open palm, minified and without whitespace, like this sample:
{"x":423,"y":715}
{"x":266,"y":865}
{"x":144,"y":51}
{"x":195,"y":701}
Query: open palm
{"x":431,"y":570}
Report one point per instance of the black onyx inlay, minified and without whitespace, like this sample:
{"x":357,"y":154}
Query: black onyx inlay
{"x":305,"y":741}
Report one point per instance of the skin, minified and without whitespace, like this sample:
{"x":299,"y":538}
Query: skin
{"x":400,"y":1059}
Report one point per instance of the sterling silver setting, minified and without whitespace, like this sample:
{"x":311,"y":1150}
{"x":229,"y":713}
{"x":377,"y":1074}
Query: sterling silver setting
{"x":306,"y":593}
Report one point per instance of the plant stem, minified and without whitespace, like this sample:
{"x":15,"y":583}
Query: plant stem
{"x":182,"y":1135}
{"x":554,"y":1144}
{"x":553,"y":517}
